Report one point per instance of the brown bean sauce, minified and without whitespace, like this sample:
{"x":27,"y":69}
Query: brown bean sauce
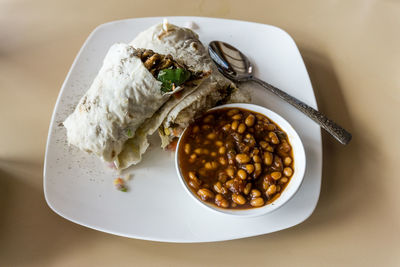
{"x":236,"y":158}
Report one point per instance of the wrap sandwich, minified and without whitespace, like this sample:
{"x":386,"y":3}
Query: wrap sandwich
{"x":183,"y":45}
{"x":130,"y":87}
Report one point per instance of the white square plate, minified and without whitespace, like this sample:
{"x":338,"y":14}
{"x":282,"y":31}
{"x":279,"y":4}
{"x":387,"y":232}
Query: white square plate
{"x":80,"y":188}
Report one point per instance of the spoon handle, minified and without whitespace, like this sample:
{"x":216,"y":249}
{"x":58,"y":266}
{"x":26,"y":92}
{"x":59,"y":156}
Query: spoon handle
{"x":330,"y":126}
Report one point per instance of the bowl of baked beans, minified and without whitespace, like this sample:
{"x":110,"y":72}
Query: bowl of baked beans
{"x":240,"y":159}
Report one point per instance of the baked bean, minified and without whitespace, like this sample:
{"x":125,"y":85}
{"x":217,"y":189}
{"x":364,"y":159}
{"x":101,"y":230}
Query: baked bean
{"x":222,"y":150}
{"x":226,"y":127}
{"x":278,"y":188}
{"x":213,"y":154}
{"x":207,"y":142}
{"x":192,"y":175}
{"x":206,"y":127}
{"x":242,"y":174}
{"x":211,"y":136}
{"x":238,"y":199}
{"x":230,"y":172}
{"x":208,"y":119}
{"x":237,"y":117}
{"x":232,"y":112}
{"x":221,"y":201}
{"x":273,"y":137}
{"x":229,"y":183}
{"x":257,"y":168}
{"x":263,"y":144}
{"x":256,"y":151}
{"x":196,"y":129}
{"x":271,"y":127}
{"x":255,"y":193}
{"x":218,"y":197}
{"x":256,"y":159}
{"x":288,"y":171}
{"x":198,"y":151}
{"x":205,"y":194}
{"x":193,"y":184}
{"x":197,"y":181}
{"x":222,"y":160}
{"x":276,"y":175}
{"x":287,"y":161}
{"x":234,"y":125}
{"x":268,"y":158}
{"x":218,"y":187}
{"x":205,"y":151}
{"x":187,"y":149}
{"x":249,"y":121}
{"x":211,"y":165}
{"x":202,"y":172}
{"x":260,"y":117}
{"x":241,"y":128}
{"x":257,"y":202}
{"x":242,"y":158}
{"x":271,"y":190}
{"x":219,"y":143}
{"x":270,"y":148}
{"x":247,"y":189}
{"x":249,"y":168}
{"x":192,"y":158}
{"x":284,"y":180}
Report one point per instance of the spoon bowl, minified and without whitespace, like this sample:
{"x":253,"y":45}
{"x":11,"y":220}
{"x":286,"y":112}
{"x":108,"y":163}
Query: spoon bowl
{"x":234,"y":65}
{"x":230,"y":62}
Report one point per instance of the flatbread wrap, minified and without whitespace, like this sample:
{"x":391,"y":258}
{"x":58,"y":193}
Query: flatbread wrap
{"x":126,"y":91}
{"x":183,"y":45}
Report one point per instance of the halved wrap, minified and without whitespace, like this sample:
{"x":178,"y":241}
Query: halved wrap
{"x":123,"y":95}
{"x":184,"y":45}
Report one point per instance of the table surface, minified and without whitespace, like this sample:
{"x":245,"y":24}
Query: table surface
{"x":351,"y":50}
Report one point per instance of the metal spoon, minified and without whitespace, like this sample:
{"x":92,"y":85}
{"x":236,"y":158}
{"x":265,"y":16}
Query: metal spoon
{"x":234,"y":65}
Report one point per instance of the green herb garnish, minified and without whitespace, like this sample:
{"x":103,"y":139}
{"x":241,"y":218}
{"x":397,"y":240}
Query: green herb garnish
{"x":129,"y":132}
{"x":171,"y":78}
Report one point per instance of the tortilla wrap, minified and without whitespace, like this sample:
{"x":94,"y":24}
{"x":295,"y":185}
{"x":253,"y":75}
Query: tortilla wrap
{"x":122,"y":96}
{"x":183,"y":44}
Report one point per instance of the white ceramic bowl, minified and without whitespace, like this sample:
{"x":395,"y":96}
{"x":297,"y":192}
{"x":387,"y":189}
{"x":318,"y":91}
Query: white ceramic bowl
{"x":291,"y":188}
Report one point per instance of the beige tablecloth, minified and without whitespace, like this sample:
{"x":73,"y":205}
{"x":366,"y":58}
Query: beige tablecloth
{"x":352,"y":52}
